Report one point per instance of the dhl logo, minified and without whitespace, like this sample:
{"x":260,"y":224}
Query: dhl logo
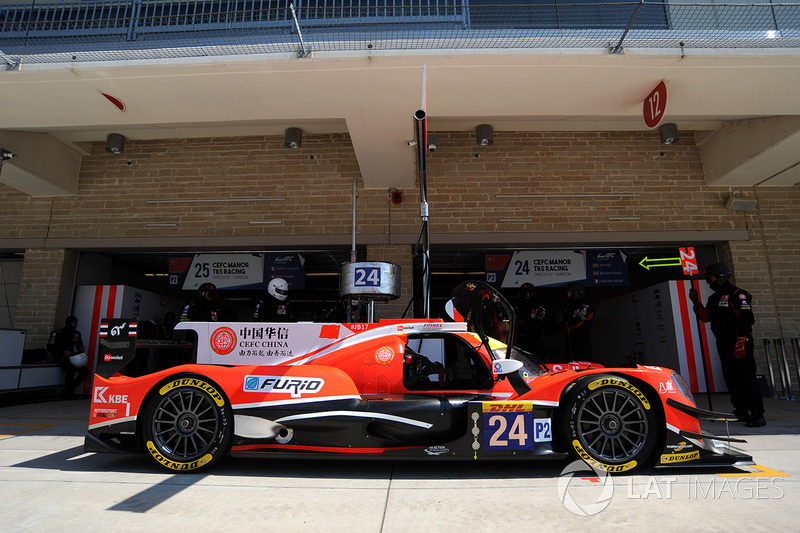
{"x":507,"y":407}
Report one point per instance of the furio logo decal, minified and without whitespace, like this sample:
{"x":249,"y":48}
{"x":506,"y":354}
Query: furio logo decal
{"x":294,"y":385}
{"x":223,"y":341}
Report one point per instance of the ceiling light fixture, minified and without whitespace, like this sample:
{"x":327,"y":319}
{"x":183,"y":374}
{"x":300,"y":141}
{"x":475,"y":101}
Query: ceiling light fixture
{"x":669,"y":133}
{"x":293,"y":138}
{"x":484,"y":135}
{"x":115,"y":143}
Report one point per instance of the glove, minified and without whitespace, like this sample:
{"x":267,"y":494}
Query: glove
{"x":739,"y":350}
{"x":693,"y":296}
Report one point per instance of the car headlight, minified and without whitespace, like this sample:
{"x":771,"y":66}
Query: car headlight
{"x":683,"y":388}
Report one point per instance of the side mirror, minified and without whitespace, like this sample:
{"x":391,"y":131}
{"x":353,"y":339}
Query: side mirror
{"x":505,"y":366}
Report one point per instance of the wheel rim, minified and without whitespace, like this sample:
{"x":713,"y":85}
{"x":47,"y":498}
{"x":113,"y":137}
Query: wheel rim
{"x":612,"y":425}
{"x":185,"y":424}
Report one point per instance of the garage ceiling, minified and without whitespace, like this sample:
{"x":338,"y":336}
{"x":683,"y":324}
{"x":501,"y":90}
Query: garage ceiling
{"x":736,"y":98}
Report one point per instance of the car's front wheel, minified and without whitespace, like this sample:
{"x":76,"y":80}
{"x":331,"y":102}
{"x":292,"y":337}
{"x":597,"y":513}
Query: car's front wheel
{"x":610,"y":423}
{"x":188,"y":423}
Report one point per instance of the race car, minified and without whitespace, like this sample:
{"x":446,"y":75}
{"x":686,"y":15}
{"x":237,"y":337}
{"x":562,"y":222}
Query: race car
{"x":410,"y":389}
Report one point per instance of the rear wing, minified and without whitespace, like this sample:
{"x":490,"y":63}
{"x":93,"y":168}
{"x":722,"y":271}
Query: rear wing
{"x":116,"y":346}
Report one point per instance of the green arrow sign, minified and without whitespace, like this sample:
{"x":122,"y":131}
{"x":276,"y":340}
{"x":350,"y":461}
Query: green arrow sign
{"x":648,"y":263}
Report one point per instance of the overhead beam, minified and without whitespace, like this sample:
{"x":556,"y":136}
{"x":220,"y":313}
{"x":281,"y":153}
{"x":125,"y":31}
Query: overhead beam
{"x":764,"y":151}
{"x":44,"y":166}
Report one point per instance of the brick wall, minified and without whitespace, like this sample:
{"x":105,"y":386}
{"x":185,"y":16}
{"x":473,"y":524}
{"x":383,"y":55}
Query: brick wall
{"x":663,"y":186}
{"x":40,"y":294}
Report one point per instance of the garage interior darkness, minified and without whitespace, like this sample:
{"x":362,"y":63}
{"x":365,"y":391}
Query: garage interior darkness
{"x":320,"y":300}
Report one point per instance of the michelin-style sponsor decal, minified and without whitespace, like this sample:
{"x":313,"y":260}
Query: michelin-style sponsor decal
{"x":223,"y":341}
{"x":680,"y":446}
{"x":384,"y":355}
{"x":104,"y":413}
{"x":679,"y":457}
{"x":605,"y":382}
{"x":575,"y":365}
{"x":296,"y":386}
{"x":437,"y":450}
{"x":583,"y":454}
{"x":667,"y":387}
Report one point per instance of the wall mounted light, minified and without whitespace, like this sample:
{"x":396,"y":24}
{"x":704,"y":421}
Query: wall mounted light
{"x":736,"y":202}
{"x":484,"y":135}
{"x":115,"y":143}
{"x":294,"y":138}
{"x":669,"y":133}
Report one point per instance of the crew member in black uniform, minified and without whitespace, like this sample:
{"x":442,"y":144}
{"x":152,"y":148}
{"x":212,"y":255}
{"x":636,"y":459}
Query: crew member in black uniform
{"x":62,"y":345}
{"x":205,"y":308}
{"x":530,"y":319}
{"x":577,"y":324}
{"x":730,"y":312}
{"x":275,"y":307}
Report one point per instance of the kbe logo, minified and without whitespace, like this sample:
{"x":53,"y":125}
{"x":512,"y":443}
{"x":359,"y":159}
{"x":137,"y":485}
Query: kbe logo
{"x":100,"y":396}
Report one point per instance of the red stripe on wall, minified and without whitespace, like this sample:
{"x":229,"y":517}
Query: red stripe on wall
{"x":112,"y":301}
{"x":686,"y":323}
{"x":93,"y":333}
{"x":704,"y":340}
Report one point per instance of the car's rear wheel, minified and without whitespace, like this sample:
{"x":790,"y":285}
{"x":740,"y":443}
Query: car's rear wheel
{"x":611,"y":423}
{"x":188,"y":424}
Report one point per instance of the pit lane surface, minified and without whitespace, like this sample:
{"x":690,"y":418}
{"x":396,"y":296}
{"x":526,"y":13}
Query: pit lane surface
{"x":48,"y":483}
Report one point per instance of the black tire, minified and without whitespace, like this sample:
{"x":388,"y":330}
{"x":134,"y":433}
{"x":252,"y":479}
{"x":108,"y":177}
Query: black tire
{"x":187,"y":424}
{"x":610,"y":423}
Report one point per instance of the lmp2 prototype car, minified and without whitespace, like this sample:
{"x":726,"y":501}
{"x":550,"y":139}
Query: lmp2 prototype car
{"x":414,"y":389}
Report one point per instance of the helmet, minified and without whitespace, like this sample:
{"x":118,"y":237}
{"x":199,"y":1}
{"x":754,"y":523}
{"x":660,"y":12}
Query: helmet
{"x":207,"y":290}
{"x":526,"y":287}
{"x":717,"y":275}
{"x":574,"y":290}
{"x":278,"y":289}
{"x":79,"y":360}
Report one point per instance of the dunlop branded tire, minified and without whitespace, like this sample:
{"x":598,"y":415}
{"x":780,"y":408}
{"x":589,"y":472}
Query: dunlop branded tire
{"x":610,"y":423}
{"x":187,"y":423}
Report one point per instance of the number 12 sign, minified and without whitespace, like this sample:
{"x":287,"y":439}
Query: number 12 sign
{"x":655,"y":105}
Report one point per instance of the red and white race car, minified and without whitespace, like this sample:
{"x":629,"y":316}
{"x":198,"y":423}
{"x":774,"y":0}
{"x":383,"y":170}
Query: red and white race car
{"x":416,"y":389}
